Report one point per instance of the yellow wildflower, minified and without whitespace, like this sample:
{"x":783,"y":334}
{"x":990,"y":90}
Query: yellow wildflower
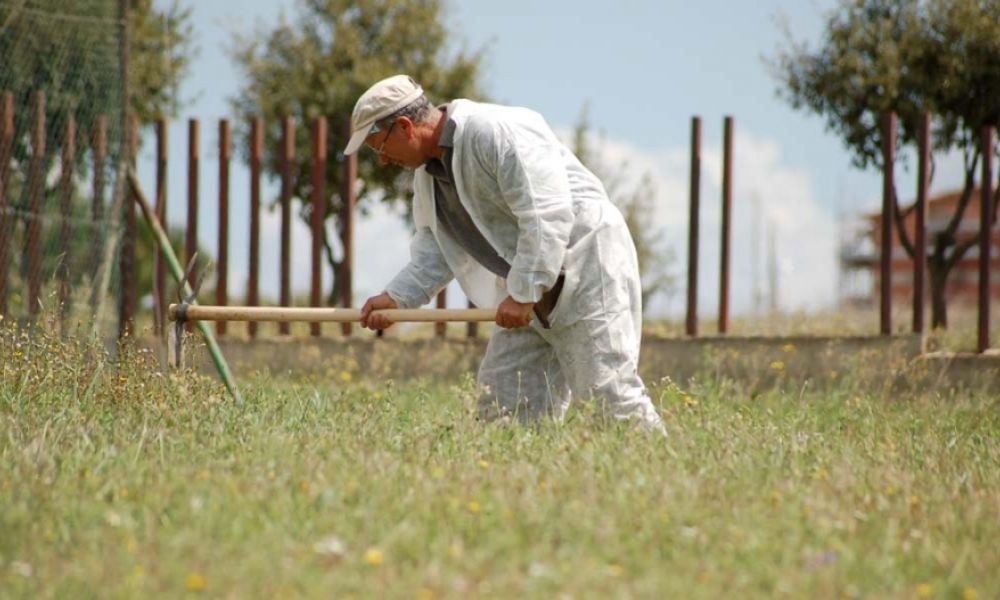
{"x":473,"y":507}
{"x":374,"y":557}
{"x":426,"y":593}
{"x":924,"y":590}
{"x":196,"y":582}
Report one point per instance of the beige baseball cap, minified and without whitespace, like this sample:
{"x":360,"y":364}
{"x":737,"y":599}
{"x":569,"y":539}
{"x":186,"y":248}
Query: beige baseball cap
{"x":380,"y":101}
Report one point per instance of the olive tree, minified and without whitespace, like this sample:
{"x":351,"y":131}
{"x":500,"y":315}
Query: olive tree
{"x":905,"y":56}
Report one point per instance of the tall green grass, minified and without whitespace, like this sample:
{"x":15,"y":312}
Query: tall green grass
{"x":119,"y":481}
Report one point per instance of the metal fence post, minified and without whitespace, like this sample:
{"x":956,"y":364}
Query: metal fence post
{"x":885,"y":273}
{"x":727,"y":208}
{"x":6,"y":219}
{"x":287,"y":166}
{"x":191,"y":235}
{"x":256,"y":156}
{"x":318,"y":216}
{"x":440,"y":327}
{"x":222,"y":273}
{"x":126,"y":316}
{"x":985,"y":241}
{"x":920,"y":223}
{"x":348,"y":201}
{"x":35,"y":192}
{"x":66,"y":212}
{"x":472,"y":328}
{"x":691,"y":325}
{"x":159,"y":264}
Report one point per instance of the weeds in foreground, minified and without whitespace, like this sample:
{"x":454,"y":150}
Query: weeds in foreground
{"x":117,"y":480}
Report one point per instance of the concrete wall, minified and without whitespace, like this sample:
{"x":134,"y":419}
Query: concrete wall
{"x":891,"y":363}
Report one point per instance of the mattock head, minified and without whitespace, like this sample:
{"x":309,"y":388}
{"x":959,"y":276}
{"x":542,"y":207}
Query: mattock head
{"x":193,"y":299}
{"x":196,"y":288}
{"x":187,"y":277}
{"x":185,"y":300}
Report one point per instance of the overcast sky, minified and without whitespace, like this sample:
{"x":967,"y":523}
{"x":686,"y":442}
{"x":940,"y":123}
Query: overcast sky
{"x":643,"y":67}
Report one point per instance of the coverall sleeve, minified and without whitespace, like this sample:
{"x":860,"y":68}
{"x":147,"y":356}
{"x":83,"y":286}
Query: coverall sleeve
{"x":532,"y":177}
{"x":426,"y":274}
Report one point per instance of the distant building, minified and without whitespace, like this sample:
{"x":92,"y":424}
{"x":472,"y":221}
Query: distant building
{"x":861,"y":242}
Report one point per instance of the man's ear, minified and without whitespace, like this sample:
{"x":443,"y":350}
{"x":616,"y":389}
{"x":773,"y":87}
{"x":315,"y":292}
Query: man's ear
{"x":407,"y":125}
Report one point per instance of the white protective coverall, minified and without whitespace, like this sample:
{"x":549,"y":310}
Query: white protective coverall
{"x":542,"y":211}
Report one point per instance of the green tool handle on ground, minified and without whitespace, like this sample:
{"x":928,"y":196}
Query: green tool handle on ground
{"x":178,"y":273}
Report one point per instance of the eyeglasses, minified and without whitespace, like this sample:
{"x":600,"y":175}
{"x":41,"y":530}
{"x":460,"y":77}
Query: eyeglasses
{"x":384,"y":140}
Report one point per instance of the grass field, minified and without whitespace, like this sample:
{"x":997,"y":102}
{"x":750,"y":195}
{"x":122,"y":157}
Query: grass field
{"x":117,"y":481}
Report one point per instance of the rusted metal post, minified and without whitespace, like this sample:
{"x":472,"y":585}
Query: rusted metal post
{"x":99,"y":156}
{"x":727,"y":208}
{"x":691,"y":325}
{"x":126,"y":262}
{"x":440,"y":327}
{"x":920,"y":222}
{"x":222,"y":273}
{"x":472,"y":329}
{"x":128,"y":127}
{"x":191,"y":234}
{"x":256,"y":156}
{"x":885,"y":271}
{"x":6,"y":219}
{"x":65,"y":211}
{"x":159,"y":263}
{"x":36,"y":185}
{"x":287,"y":165}
{"x":985,"y":243}
{"x":318,"y":216}
{"x":349,"y":200}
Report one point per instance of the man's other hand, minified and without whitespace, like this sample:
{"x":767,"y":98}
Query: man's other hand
{"x":512,"y":314}
{"x":377,"y":321}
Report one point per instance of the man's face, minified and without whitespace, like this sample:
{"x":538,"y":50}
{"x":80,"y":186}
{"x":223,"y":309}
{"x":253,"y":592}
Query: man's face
{"x":396,"y":145}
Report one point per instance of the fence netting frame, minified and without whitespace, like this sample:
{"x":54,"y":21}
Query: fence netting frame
{"x":62,"y":159}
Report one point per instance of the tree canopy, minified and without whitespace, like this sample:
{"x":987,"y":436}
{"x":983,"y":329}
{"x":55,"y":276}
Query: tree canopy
{"x":906,"y":56}
{"x":320,"y":63}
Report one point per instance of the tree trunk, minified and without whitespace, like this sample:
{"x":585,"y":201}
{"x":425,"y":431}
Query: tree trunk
{"x":939,"y":264}
{"x":938,"y":270}
{"x":335,"y":290}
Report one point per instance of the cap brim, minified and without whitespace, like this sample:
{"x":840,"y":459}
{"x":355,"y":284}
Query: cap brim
{"x":357,"y":138}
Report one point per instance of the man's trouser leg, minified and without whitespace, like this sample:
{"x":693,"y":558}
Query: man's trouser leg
{"x":600,"y":360}
{"x":520,"y":377}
